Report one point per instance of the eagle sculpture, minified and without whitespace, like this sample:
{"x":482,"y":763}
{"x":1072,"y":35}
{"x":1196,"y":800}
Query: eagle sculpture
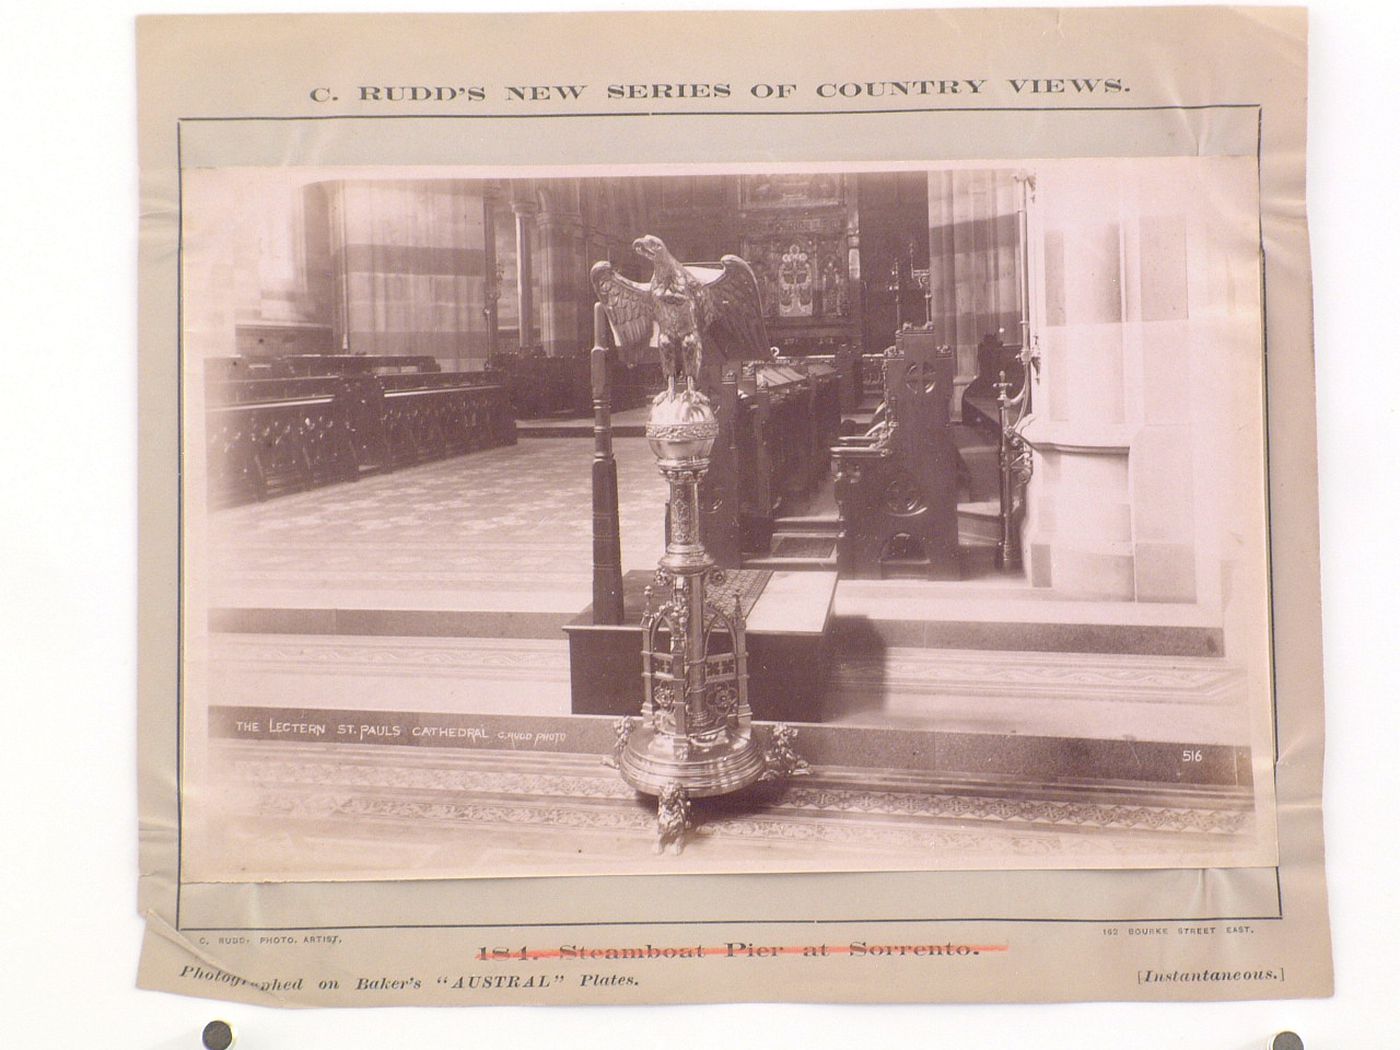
{"x":682,"y":306}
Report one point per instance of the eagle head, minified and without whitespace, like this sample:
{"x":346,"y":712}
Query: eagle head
{"x":650,"y":247}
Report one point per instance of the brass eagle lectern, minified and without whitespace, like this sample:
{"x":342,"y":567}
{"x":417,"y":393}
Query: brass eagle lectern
{"x":694,"y":738}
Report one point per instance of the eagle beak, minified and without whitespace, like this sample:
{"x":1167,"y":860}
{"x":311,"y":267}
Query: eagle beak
{"x":640,"y":247}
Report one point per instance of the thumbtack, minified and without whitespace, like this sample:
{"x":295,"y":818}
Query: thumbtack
{"x":1286,"y":1041}
{"x":218,"y":1035}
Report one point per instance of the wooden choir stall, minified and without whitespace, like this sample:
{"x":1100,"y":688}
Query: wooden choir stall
{"x":284,"y":424}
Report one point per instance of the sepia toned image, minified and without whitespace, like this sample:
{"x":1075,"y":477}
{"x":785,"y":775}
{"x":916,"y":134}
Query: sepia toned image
{"x":611,"y":546}
{"x":809,"y":518}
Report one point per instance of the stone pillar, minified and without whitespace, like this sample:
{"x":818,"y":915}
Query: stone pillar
{"x":1141,"y":424}
{"x":525,"y":270}
{"x":1078,"y":537}
{"x":490,"y":197}
{"x":406,"y":261}
{"x":562,"y":268}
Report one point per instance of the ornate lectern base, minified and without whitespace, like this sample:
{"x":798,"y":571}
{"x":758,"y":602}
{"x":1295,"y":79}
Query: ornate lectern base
{"x":652,"y":761}
{"x":694,"y":738}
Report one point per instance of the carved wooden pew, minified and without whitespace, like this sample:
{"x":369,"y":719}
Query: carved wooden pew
{"x":897,"y":485}
{"x":788,"y":416}
{"x":260,"y":449}
{"x":430,"y":422}
{"x":845,"y":364}
{"x":268,"y":436}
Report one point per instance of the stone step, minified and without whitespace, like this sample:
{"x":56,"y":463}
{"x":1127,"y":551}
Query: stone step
{"x":977,"y":556}
{"x":803,"y":545}
{"x":994,"y":613}
{"x":983,"y":471}
{"x":1001,"y":611}
{"x":777,"y":564}
{"x":800,"y":543}
{"x":979,"y":522}
{"x":859,"y":758}
{"x":808,"y":523}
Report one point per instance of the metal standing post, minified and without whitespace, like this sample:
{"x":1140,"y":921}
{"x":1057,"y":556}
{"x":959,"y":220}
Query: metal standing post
{"x":1009,"y":551}
{"x":607,"y":538}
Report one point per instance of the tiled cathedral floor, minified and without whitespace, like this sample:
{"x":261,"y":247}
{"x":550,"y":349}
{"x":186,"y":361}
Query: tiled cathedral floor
{"x":509,"y":528}
{"x":505,"y":536}
{"x":293,"y":812}
{"x":1049,"y":694}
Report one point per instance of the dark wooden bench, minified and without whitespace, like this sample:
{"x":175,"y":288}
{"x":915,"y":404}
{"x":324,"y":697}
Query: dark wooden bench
{"x":270,"y":435}
{"x":896,"y":486}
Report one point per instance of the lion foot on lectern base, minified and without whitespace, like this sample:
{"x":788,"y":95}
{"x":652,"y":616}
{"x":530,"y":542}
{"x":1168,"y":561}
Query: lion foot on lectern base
{"x":623,"y":728}
{"x":672,"y":818}
{"x":780,"y":758}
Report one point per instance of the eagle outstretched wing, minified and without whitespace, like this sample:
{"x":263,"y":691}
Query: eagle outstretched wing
{"x":627,"y":304}
{"x":731,"y":302}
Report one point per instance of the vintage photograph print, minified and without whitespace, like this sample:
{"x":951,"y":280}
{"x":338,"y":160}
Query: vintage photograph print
{"x":812,"y":518}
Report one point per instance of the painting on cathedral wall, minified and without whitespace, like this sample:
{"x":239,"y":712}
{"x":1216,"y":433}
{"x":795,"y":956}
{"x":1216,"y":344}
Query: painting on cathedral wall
{"x":800,"y":277}
{"x":795,"y":284}
{"x":787,"y":190}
